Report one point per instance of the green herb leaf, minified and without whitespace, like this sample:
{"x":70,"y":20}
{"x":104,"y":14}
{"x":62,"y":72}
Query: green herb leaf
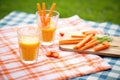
{"x":104,"y":38}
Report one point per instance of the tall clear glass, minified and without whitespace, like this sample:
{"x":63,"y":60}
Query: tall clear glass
{"x":47,"y":26}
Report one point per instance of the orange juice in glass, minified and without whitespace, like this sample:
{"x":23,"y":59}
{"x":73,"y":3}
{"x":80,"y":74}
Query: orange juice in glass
{"x":48,"y":30}
{"x":29,"y":41}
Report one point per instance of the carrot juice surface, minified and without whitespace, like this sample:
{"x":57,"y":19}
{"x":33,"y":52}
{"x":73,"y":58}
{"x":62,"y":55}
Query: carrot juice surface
{"x":29,"y":47}
{"x":48,"y":34}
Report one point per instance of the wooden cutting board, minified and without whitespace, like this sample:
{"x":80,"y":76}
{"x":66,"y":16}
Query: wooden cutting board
{"x":113,"y":51}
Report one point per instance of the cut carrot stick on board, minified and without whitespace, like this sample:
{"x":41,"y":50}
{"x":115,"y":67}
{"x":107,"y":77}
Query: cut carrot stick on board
{"x":92,"y":40}
{"x":78,"y":36}
{"x":103,"y":46}
{"x":89,"y":45}
{"x":83,"y":42}
{"x":106,"y":43}
{"x":89,"y":32}
{"x":70,"y":41}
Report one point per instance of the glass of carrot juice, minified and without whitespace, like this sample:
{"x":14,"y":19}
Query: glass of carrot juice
{"x":47,"y":26}
{"x":29,"y":41}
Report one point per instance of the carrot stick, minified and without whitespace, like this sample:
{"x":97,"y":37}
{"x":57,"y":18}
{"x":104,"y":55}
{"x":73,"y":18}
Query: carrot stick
{"x":77,"y":36}
{"x":52,"y":9}
{"x":83,"y":42}
{"x":70,"y":41}
{"x":44,"y":9}
{"x":90,"y":32}
{"x":39,"y":9}
{"x":50,"y":13}
{"x":48,"y":21}
{"x":92,"y":40}
{"x":105,"y":45}
{"x":44,"y":12}
{"x":40,"y":13}
{"x":100,"y":47}
{"x":89,"y":45}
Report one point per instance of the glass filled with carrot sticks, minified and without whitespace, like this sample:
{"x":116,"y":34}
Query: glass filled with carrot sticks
{"x":47,"y":22}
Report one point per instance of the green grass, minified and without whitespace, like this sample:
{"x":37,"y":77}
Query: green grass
{"x":94,"y":10}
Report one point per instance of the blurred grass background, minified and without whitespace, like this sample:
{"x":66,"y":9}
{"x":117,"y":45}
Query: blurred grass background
{"x":94,"y":10}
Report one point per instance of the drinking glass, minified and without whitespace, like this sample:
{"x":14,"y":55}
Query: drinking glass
{"x":47,"y":26}
{"x":29,"y":41}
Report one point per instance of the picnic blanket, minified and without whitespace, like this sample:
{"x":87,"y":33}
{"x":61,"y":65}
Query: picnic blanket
{"x":68,"y":66}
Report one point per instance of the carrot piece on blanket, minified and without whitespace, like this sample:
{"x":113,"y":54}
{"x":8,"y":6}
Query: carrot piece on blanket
{"x":90,"y":32}
{"x":103,"y":46}
{"x":83,"y":42}
{"x":56,"y":55}
{"x":52,"y":54}
{"x":49,"y":54}
{"x":89,"y":45}
{"x":77,"y":36}
{"x":70,"y":41}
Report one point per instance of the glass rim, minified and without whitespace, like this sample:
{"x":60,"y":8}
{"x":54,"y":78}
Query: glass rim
{"x":57,"y":13}
{"x":19,"y":30}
